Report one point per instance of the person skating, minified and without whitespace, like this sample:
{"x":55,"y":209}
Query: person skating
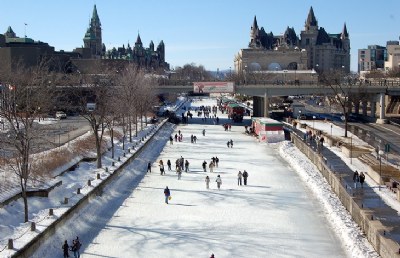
{"x":167,"y":194}
{"x":245,"y":176}
{"x":211,"y":166}
{"x":176,"y":137}
{"x":76,"y":247}
{"x":65,"y":248}
{"x":149,"y":167}
{"x":228,"y":143}
{"x":204,"y":166}
{"x":169,"y":165}
{"x":219,"y":181}
{"x":171,"y":140}
{"x":231,"y":142}
{"x":356,"y":178}
{"x":207,"y":180}
{"x":186,"y":166}
{"x":216,"y":161}
{"x":204,"y":132}
{"x":240,"y":175}
{"x":179,"y":172}
{"x":362,"y":179}
{"x":161,"y":164}
{"x":212,"y":256}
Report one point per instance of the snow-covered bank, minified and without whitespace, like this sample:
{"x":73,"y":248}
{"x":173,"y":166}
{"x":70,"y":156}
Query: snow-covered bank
{"x":340,"y":220}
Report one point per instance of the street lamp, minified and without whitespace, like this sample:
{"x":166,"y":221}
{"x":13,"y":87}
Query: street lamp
{"x":380,"y":153}
{"x":313,"y":121}
{"x":351,"y":149}
{"x":299,"y":114}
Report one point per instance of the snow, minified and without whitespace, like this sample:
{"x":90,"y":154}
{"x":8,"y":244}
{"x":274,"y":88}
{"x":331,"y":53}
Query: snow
{"x":287,"y":210}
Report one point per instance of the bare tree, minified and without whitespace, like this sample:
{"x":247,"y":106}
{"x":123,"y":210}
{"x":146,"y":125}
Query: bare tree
{"x":94,"y":97}
{"x":345,"y":90}
{"x":26,"y":93}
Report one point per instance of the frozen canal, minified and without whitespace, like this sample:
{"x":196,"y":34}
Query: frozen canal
{"x":275,"y":215}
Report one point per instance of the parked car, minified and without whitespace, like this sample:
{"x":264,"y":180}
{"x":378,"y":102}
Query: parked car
{"x":61,"y":115}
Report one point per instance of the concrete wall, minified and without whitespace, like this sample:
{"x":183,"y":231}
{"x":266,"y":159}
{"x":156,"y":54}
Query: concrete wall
{"x":377,"y":234}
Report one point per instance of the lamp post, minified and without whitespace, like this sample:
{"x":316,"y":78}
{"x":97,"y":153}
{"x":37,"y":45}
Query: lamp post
{"x":380,"y":153}
{"x":331,"y":129}
{"x":351,"y":149}
{"x":313,"y":122}
{"x":299,"y":114}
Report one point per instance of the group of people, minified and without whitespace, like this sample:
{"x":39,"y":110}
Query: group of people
{"x":75,"y":247}
{"x":243,"y":175}
{"x":358,"y":178}
{"x":309,"y":137}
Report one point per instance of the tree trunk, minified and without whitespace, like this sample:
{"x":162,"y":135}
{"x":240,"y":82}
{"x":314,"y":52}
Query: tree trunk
{"x":130,"y":128}
{"x":112,"y":142}
{"x":98,"y":149}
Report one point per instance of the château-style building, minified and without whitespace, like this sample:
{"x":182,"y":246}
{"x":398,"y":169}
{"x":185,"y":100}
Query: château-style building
{"x":314,"y":49}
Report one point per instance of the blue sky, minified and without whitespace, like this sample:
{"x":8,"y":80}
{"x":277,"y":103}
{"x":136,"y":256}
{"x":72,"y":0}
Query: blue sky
{"x":207,"y":32}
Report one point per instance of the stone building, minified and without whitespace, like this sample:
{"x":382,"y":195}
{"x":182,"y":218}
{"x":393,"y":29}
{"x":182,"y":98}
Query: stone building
{"x":314,"y":49}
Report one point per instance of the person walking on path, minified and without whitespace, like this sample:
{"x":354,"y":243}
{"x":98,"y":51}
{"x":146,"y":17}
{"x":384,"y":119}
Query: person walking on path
{"x":149,"y":167}
{"x":245,"y":176}
{"x":186,"y":166}
{"x":356,"y":178}
{"x":167,"y":194}
{"x":169,"y":165}
{"x":65,"y":248}
{"x":219,"y":181}
{"x":240,"y":175}
{"x":204,"y":132}
{"x":204,"y":166}
{"x":362,"y":179}
{"x":211,"y":166}
{"x":207,"y":180}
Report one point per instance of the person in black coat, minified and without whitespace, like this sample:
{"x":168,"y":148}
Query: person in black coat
{"x":362,"y":179}
{"x":167,"y":194}
{"x":65,"y":248}
{"x":245,"y":176}
{"x":149,"y":167}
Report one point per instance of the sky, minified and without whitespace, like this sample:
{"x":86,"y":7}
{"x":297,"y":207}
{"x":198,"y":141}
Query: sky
{"x":207,"y":32}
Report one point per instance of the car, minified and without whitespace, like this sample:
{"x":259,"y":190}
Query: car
{"x":61,"y":115}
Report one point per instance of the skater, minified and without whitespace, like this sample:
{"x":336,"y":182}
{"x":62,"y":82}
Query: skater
{"x":186,"y":166}
{"x":207,"y":182}
{"x":216,"y":161}
{"x":212,"y":256}
{"x":219,"y":181}
{"x":179,"y":171}
{"x":245,"y":176}
{"x":169,"y":165}
{"x":362,"y":179}
{"x":231,"y":142}
{"x":171,"y":140}
{"x":176,"y":137}
{"x":204,"y":166}
{"x":75,"y":248}
{"x":211,"y":166}
{"x":228,"y":143}
{"x":194,"y":138}
{"x":167,"y":194}
{"x":162,"y":171}
{"x":149,"y":167}
{"x":204,"y":132}
{"x":65,"y":248}
{"x":240,"y":175}
{"x":356,"y":178}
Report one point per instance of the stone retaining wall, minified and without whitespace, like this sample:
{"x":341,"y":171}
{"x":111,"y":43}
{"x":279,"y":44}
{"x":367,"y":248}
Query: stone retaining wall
{"x":33,"y":245}
{"x":377,"y":234}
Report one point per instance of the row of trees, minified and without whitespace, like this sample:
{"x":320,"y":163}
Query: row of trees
{"x":120,"y":96}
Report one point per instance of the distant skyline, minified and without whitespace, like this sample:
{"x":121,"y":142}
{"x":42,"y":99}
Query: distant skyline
{"x":208,"y":33}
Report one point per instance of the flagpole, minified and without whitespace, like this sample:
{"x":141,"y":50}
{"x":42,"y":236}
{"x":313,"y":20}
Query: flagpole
{"x":25,"y":29}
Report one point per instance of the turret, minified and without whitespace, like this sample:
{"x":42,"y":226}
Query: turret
{"x":311,"y":22}
{"x":254,"y":35}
